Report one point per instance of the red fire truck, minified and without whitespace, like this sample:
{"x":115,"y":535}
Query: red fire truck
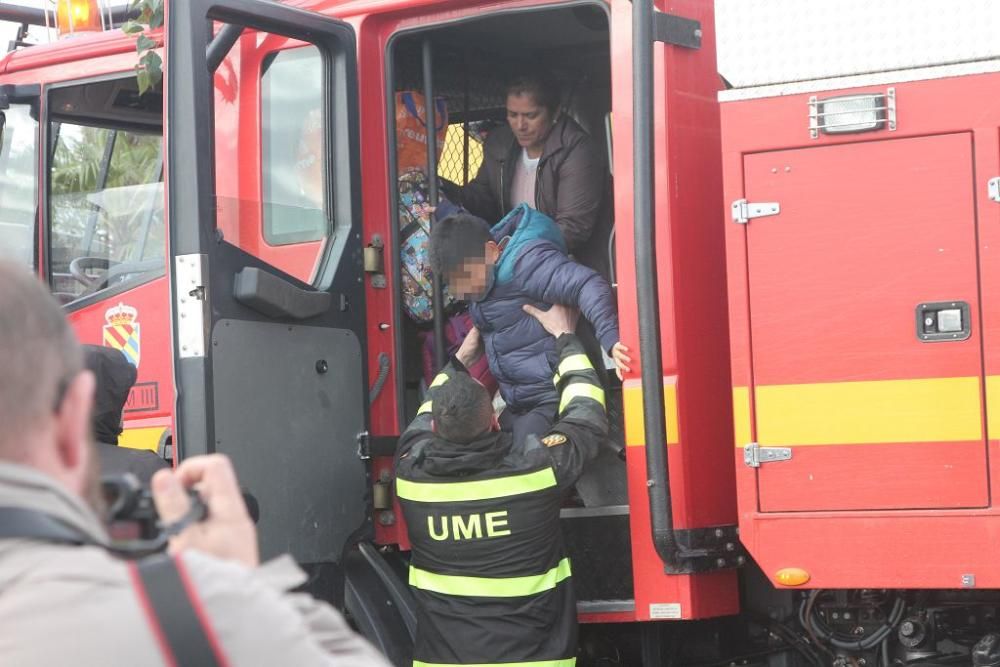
{"x":235,"y":232}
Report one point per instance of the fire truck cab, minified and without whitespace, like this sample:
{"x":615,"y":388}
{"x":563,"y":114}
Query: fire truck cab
{"x":812,"y":283}
{"x":235,"y":232}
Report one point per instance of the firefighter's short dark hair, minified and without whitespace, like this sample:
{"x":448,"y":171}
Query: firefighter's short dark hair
{"x":39,"y":356}
{"x":455,"y":239}
{"x":540,"y":85}
{"x":462,"y":409}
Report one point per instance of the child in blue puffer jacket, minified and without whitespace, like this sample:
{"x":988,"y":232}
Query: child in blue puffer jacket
{"x":520,"y":264}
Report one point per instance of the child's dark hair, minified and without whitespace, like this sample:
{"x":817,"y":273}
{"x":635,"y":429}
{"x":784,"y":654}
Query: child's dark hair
{"x":540,"y":85}
{"x":462,"y":409}
{"x":455,"y":239}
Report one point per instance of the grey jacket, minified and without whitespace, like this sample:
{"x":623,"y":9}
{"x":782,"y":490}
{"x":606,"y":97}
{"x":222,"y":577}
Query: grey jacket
{"x":572,"y":187}
{"x":63,"y":605}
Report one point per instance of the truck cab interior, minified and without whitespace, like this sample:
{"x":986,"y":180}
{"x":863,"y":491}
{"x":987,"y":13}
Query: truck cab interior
{"x":470,"y":63}
{"x":104,"y":169}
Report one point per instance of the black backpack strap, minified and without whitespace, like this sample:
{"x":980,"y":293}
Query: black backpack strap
{"x":175,"y":614}
{"x":27,"y":524}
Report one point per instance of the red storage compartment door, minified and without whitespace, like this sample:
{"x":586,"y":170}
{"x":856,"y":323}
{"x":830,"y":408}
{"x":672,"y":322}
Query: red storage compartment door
{"x":875,"y":417}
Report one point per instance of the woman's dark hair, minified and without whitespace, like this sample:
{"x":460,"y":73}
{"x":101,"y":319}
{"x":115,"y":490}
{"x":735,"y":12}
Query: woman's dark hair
{"x":540,"y":85}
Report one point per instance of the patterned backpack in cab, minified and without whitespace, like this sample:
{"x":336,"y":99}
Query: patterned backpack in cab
{"x":414,"y":242}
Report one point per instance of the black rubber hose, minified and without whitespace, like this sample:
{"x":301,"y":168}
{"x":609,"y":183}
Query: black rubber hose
{"x":811,"y":622}
{"x":383,"y":375}
{"x":795,"y":640}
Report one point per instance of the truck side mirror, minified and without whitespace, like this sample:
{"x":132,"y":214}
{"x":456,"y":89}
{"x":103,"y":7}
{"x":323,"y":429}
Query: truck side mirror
{"x":3,"y":122}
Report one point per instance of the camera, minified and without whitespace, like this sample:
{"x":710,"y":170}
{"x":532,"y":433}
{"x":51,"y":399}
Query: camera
{"x":132,"y":520}
{"x":130,"y":512}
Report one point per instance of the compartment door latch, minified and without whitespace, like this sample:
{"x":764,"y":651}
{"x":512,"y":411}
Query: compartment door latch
{"x":754,"y":454}
{"x":744,"y":211}
{"x":993,"y":188}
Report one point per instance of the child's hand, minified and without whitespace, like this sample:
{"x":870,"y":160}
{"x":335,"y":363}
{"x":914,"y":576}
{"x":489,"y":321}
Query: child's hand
{"x":622,"y":360}
{"x":471,"y":348}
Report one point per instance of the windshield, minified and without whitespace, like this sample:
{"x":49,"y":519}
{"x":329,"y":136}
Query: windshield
{"x":18,"y":181}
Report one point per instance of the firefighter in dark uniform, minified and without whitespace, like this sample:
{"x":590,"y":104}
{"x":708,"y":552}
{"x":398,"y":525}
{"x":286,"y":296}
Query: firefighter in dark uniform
{"x":489,"y":568}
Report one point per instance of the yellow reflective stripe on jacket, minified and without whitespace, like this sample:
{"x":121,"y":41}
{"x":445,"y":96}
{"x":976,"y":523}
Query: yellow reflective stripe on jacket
{"x":483,"y":489}
{"x":439,"y":380}
{"x":425,"y":408}
{"x":565,"y":662}
{"x":490,"y":587}
{"x":581,"y":390}
{"x":574,"y":362}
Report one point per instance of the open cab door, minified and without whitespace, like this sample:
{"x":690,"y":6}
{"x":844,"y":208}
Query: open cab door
{"x":265,"y":263}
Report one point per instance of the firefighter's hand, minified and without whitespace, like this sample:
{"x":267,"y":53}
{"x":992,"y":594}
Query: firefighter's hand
{"x":557,"y":320}
{"x":227,"y":532}
{"x":620,"y":355}
{"x":471,"y":349}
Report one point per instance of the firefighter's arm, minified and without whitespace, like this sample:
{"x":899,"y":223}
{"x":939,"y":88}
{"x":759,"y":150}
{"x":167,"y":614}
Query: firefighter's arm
{"x":582,"y":422}
{"x":421,"y":424}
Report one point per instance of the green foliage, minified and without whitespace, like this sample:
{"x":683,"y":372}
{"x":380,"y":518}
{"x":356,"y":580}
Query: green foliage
{"x":80,"y":152}
{"x":76,"y":168}
{"x":149,"y":69}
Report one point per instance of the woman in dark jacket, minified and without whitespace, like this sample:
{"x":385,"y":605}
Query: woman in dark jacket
{"x":544,"y":159}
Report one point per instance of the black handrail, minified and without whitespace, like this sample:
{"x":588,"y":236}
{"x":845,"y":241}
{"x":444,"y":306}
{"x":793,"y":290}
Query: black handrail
{"x":221,"y":44}
{"x":647,"y":290}
{"x":430,"y":127}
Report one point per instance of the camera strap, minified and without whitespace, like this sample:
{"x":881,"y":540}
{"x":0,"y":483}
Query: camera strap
{"x":174,"y":612}
{"x":24,"y":524}
{"x":167,"y":597}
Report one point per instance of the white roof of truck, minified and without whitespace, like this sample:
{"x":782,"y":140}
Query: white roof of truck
{"x":773,"y":43}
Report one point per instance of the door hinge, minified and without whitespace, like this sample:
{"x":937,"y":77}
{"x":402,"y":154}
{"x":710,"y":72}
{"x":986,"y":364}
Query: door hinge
{"x":744,"y":211}
{"x":190,"y":272}
{"x":754,"y":454}
{"x":676,"y":30}
{"x":993,"y":187}
{"x":374,"y":256}
{"x":364,"y":446}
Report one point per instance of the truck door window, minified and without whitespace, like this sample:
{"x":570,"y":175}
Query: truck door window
{"x":106,"y":208}
{"x":294,"y":162}
{"x":18,"y":185}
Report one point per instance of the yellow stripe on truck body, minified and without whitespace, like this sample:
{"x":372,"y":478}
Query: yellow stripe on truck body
{"x":635,"y":432}
{"x":142,"y":438}
{"x":848,"y":413}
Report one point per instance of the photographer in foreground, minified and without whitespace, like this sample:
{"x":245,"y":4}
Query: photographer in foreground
{"x":65,"y":598}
